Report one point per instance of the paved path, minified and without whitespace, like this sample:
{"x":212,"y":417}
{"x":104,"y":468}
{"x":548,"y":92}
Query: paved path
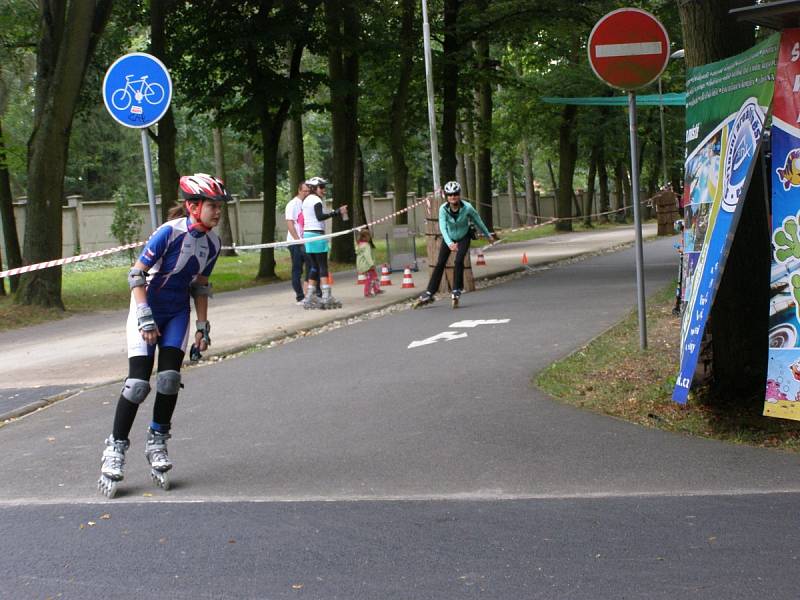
{"x":63,"y":356}
{"x":431,"y":472}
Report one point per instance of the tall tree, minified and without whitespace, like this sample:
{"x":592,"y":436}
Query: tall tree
{"x":297,"y":162}
{"x":485,"y":78}
{"x":452,"y":55}
{"x":343,"y":30}
{"x":250,"y":79}
{"x":530,"y":192}
{"x":568,"y":154}
{"x":739,"y":361}
{"x":17,"y":25}
{"x":224,"y":226}
{"x":168,"y":175}
{"x":13,"y":256}
{"x":68,"y":35}
{"x":399,"y":108}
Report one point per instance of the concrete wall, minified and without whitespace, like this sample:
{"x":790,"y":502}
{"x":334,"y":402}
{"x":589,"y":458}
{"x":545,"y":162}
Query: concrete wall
{"x":86,"y":226}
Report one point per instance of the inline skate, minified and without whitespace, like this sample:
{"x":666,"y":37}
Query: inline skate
{"x":424,"y":299}
{"x":312,"y":301}
{"x":155,"y":451}
{"x":455,"y":297}
{"x":112,"y":470}
{"x":328,"y":301}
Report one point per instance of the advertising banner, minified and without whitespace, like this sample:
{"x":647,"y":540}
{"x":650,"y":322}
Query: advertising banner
{"x":782,"y":398}
{"x":726,"y":104}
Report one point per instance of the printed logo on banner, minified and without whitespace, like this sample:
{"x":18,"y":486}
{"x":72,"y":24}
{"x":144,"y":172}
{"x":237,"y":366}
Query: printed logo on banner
{"x":742,"y":144}
{"x":789,"y":174}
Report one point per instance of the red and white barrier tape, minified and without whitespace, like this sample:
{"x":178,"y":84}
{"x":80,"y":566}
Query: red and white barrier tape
{"x":98,"y":253}
{"x":68,"y":260}
{"x":554,"y":219}
{"x":326,"y":236}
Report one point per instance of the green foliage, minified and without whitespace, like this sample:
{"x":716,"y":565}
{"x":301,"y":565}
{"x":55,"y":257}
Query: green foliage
{"x":538,"y":48}
{"x":127,"y":222}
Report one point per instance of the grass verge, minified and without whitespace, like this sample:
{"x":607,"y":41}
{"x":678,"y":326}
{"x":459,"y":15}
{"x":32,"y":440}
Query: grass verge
{"x":610,"y":375}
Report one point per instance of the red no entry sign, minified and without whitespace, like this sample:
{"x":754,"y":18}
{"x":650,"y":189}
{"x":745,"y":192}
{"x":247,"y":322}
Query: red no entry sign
{"x":628,"y":48}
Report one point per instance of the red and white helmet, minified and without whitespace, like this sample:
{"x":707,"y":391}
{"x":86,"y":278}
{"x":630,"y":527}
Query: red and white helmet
{"x":200,"y":186}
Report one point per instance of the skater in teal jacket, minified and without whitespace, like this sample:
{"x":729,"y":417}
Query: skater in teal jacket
{"x":455,"y":218}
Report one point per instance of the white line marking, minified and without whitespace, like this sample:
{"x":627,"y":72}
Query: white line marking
{"x":477,"y":322}
{"x":468,"y":495}
{"x":636,"y":49}
{"x":445,"y":335}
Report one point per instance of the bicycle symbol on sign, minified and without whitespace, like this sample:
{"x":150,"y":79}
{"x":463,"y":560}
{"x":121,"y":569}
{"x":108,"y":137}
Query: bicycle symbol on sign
{"x":152,"y":92}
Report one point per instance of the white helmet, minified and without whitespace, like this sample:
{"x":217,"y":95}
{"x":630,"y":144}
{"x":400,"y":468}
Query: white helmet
{"x":316,"y":182}
{"x":451,"y":188}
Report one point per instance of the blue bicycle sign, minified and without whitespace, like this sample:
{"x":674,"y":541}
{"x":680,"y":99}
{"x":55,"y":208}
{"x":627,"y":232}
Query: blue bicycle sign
{"x":137,"y":90}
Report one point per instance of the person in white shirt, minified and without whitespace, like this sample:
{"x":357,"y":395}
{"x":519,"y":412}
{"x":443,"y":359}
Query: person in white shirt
{"x":314,"y":214}
{"x":294,"y":231}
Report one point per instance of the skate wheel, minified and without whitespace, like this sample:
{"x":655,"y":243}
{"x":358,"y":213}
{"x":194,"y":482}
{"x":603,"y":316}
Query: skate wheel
{"x":107,"y":487}
{"x":160,"y":479}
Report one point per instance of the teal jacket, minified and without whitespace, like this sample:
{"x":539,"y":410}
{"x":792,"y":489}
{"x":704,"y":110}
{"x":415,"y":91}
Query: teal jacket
{"x":454,"y":229}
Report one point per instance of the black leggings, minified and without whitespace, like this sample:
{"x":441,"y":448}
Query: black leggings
{"x":141,"y":367}
{"x":319,"y":265}
{"x":441,"y":262}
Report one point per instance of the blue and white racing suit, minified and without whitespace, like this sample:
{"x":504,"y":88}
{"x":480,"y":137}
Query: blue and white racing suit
{"x":174,"y":255}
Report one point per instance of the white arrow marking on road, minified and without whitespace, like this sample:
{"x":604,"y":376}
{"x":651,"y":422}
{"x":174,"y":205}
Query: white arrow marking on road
{"x":445,"y":335}
{"x":637,"y":49}
{"x":477,"y":322}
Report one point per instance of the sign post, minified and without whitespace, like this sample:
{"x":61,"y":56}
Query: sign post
{"x":629,"y":49}
{"x":137,"y":91}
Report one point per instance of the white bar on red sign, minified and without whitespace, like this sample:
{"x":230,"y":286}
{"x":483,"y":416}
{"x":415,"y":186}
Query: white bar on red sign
{"x":637,"y":49}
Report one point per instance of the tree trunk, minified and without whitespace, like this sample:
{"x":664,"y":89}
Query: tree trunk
{"x":297,"y":157}
{"x":461,"y":164}
{"x":224,"y":227}
{"x":269,"y":173}
{"x":530,"y":193}
{"x":451,"y":55}
{"x":619,"y":184}
{"x":602,"y":181}
{"x":568,"y":156}
{"x":469,"y":155}
{"x":512,"y":198}
{"x":271,"y":125}
{"x":484,"y":132}
{"x":627,"y":190}
{"x":168,"y":176}
{"x":13,"y":256}
{"x":343,"y":28}
{"x":655,"y":173}
{"x":589,"y":198}
{"x":397,"y":121}
{"x":359,"y":214}
{"x":710,"y":33}
{"x":739,"y":362}
{"x":68,"y":35}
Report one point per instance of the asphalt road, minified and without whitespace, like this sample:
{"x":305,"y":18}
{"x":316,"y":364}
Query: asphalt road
{"x":348,"y":465}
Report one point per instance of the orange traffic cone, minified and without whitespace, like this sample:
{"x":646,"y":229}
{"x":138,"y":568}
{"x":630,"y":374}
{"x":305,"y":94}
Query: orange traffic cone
{"x":362,"y":279}
{"x":408,"y":281}
{"x":481,"y":259}
{"x":385,"y":278}
{"x":524,"y":258}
